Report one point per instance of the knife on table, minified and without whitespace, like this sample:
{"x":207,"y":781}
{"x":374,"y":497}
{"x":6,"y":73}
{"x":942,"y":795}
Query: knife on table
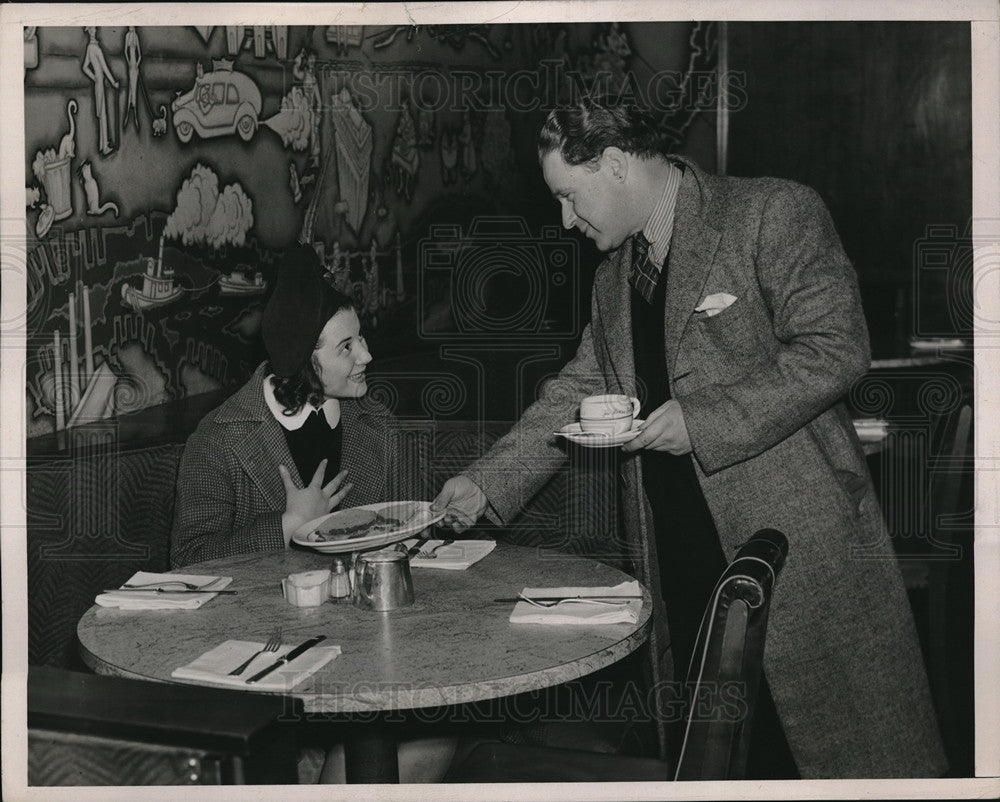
{"x":302,"y":647}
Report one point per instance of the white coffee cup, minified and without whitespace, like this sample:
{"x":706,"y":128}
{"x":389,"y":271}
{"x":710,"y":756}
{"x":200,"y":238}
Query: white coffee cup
{"x":609,"y":414}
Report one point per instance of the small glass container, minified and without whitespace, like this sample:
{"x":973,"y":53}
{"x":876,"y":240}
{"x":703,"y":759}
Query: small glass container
{"x":340,"y":580}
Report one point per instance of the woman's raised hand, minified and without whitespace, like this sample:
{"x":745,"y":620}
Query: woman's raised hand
{"x":312,"y":501}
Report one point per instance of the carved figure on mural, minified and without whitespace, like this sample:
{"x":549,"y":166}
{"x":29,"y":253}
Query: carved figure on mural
{"x":160,"y":123}
{"x":261,"y":37}
{"x":52,"y":169}
{"x":67,"y":145}
{"x":449,"y":155}
{"x":354,"y":151}
{"x":278,"y":40}
{"x":46,"y":214}
{"x":304,"y":70}
{"x":343,"y":37}
{"x":425,"y":128}
{"x":133,"y":55}
{"x":387,"y":37}
{"x":611,"y":53}
{"x":158,"y":287}
{"x":221,"y":102}
{"x":244,"y":280}
{"x":405,"y":156}
{"x":363,"y":275}
{"x":468,"y":147}
{"x":96,"y":68}
{"x":132,"y":52}
{"x":495,"y":151}
{"x":297,"y":183}
{"x":234,"y":38}
{"x":93,"y":192}
{"x":293,"y":182}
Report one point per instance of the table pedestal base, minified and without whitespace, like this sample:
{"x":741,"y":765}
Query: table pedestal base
{"x":370,"y":756}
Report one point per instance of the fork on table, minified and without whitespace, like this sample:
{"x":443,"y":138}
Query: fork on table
{"x":431,"y":554}
{"x":545,"y":605}
{"x":271,"y":646}
{"x":155,"y":585}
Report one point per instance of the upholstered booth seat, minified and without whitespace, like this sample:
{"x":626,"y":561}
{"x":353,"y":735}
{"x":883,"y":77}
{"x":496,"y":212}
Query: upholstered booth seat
{"x":100,"y":506}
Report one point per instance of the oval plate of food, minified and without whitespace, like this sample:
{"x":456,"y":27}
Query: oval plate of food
{"x":366,"y":527}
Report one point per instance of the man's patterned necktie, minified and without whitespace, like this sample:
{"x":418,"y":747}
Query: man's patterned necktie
{"x":643,"y":275}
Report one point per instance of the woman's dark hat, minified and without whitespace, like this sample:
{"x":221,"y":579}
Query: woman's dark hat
{"x":297,"y":311}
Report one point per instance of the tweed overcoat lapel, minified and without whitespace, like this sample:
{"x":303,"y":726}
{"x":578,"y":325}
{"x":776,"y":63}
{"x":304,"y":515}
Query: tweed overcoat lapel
{"x":692,"y":251}
{"x":262,"y":443}
{"x":613,"y":328}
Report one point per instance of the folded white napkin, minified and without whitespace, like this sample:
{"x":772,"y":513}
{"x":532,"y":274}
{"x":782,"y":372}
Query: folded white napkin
{"x":215,"y":664}
{"x":871,"y":430}
{"x":711,"y":305}
{"x":151,"y":600}
{"x":580,"y":612}
{"x":455,"y":557}
{"x":935,"y":343}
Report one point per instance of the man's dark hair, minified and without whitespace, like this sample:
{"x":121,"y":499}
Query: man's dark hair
{"x":305,"y":387}
{"x":580,"y":132}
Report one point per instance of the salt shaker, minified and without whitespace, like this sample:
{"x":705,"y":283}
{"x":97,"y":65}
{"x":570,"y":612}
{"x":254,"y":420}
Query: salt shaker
{"x":340,"y":582}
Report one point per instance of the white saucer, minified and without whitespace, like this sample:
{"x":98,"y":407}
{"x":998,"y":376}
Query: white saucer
{"x":574,"y":433}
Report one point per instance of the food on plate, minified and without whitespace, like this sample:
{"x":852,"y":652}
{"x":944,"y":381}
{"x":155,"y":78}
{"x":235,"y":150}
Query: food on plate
{"x":345,"y":525}
{"x":355,"y":523}
{"x":393,"y":516}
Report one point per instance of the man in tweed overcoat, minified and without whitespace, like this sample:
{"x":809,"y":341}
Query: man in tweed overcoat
{"x":755,"y":386}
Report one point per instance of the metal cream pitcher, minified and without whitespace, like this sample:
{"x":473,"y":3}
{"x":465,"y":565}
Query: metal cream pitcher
{"x":382,"y":581}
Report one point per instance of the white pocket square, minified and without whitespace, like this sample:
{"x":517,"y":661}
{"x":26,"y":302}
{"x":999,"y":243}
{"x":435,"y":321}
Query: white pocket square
{"x":713,"y":304}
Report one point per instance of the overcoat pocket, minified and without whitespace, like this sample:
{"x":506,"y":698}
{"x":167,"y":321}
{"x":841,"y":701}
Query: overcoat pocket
{"x":730,"y":333}
{"x":841,"y":453}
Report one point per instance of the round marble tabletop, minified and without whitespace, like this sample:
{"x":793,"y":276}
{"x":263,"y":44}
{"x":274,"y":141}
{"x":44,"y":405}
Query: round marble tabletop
{"x":453,"y":645}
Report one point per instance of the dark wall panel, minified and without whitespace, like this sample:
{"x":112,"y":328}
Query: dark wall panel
{"x":877,"y":118}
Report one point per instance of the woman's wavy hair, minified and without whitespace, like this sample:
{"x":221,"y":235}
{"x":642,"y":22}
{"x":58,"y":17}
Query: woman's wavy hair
{"x":305,"y":387}
{"x":580,"y":132}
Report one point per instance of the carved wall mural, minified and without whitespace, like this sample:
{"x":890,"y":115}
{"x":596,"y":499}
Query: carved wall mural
{"x":166,"y":168}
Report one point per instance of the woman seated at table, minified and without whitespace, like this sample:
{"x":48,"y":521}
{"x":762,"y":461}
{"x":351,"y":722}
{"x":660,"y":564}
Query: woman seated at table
{"x":277,"y":453}
{"x":297,"y":439}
